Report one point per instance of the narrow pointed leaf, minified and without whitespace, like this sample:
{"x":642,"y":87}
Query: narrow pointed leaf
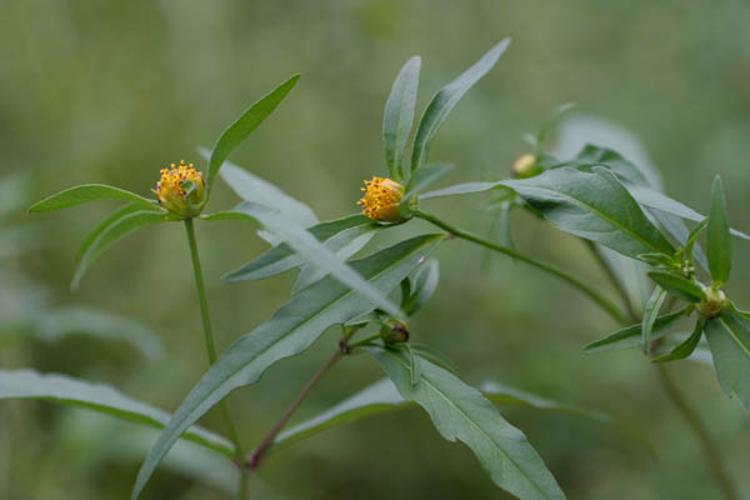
{"x":113,"y":233}
{"x":729,"y":339}
{"x":460,"y":412}
{"x":686,"y":348}
{"x":614,"y":161}
{"x":592,"y":205}
{"x":29,"y":384}
{"x":290,"y":331}
{"x":630,"y":336}
{"x":399,"y":115}
{"x":252,"y":188}
{"x":446,"y":99}
{"x":677,"y":285}
{"x":86,"y":193}
{"x":677,"y":228}
{"x":282,"y":257}
{"x":718,"y":242}
{"x":425,"y":177}
{"x":250,"y":119}
{"x":650,"y":313}
{"x":111,"y":219}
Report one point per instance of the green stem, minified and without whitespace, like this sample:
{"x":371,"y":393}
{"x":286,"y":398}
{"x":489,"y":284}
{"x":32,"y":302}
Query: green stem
{"x":710,"y":450}
{"x":604,"y":303}
{"x":696,"y":425}
{"x":208,"y":337}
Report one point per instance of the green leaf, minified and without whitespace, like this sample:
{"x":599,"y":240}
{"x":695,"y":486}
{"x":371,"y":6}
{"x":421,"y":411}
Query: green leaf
{"x":650,"y":313}
{"x":425,"y":177}
{"x":252,"y":188}
{"x":461,"y":412}
{"x":458,"y":189}
{"x":281,"y":257}
{"x":399,"y":115}
{"x":551,"y":122}
{"x":305,"y":244}
{"x":117,"y":230}
{"x":290,"y":331}
{"x":729,"y":339}
{"x":614,"y":161}
{"x":344,"y":244}
{"x":630,"y":336}
{"x":446,"y":99}
{"x":29,"y":384}
{"x":677,"y":228}
{"x":382,"y":397}
{"x":718,"y":241}
{"x":89,"y":192}
{"x":238,"y":131}
{"x":423,"y":286}
{"x":592,"y":205}
{"x":677,"y":285}
{"x":654,"y":199}
{"x":111,"y":219}
{"x":71,"y":320}
{"x":686,"y":348}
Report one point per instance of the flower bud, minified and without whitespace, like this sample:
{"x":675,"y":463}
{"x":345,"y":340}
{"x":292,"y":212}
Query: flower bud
{"x":181,"y":189}
{"x":526,"y":166}
{"x":395,"y":332}
{"x":714,"y":301}
{"x":382,"y":199}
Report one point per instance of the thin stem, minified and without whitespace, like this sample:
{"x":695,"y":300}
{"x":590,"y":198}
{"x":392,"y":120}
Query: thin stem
{"x":208,"y":336}
{"x":257,"y":456}
{"x":710,"y":451}
{"x":619,"y":286}
{"x":604,"y":303}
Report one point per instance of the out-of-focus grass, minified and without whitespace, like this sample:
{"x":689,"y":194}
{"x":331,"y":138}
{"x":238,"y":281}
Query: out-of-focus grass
{"x":110,"y":92}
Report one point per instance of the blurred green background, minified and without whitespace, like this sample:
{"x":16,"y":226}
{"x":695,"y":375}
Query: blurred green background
{"x":109,"y":92}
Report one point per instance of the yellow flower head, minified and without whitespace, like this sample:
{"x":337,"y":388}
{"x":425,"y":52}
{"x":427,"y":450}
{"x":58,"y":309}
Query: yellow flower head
{"x":382,"y":199}
{"x":525,"y":166}
{"x":181,"y":189}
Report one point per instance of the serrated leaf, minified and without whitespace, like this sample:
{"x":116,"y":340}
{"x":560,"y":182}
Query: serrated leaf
{"x":650,"y":313}
{"x":238,"y":131}
{"x":425,"y":177}
{"x":290,"y":331}
{"x":399,"y":115}
{"x":252,"y":188}
{"x":86,"y":193}
{"x":630,"y":336}
{"x":29,"y":384}
{"x":305,"y":244}
{"x":729,"y":339}
{"x":718,"y":241}
{"x":117,"y":230}
{"x":592,"y":205}
{"x":282,"y":257}
{"x":461,"y":412}
{"x":446,"y":99}
{"x":685,"y":348}
{"x":677,"y":285}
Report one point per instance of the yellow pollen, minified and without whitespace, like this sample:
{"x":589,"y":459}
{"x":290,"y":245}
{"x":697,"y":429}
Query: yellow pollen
{"x":171,"y":191}
{"x":381,"y":199}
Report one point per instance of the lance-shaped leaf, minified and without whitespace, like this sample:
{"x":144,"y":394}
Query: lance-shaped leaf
{"x":425,"y":177}
{"x":383,"y":397}
{"x":650,"y":313}
{"x":677,"y":285}
{"x":446,"y":99}
{"x":729,"y":339}
{"x":115,"y":231}
{"x":677,"y":228}
{"x":685,"y":348}
{"x":282,"y":257}
{"x":305,"y":244}
{"x":110,"y":220}
{"x":718,"y":241}
{"x":290,"y":331}
{"x":252,"y":188}
{"x":250,"y":119}
{"x":29,"y":384}
{"x":614,"y":161}
{"x":630,"y":336}
{"x":88,"y":192}
{"x":595,"y":206}
{"x":399,"y":115}
{"x":460,"y":412}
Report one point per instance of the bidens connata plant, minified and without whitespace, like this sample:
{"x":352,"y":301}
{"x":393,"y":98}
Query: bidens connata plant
{"x":600,"y":197}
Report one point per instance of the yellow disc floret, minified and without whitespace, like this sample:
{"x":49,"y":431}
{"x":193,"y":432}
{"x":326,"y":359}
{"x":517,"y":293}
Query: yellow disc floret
{"x":181,"y":189}
{"x":382,"y":199}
